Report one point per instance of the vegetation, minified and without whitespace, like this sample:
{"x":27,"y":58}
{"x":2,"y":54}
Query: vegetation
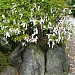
{"x":4,"y":61}
{"x":72,"y":2}
{"x":29,"y":20}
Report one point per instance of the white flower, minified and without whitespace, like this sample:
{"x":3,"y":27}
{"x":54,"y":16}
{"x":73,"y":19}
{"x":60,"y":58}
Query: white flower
{"x":59,"y":35}
{"x":49,"y":25}
{"x":26,"y":27}
{"x":5,"y":20}
{"x":51,"y":10}
{"x":34,"y":40}
{"x":33,"y":20}
{"x":23,"y":24}
{"x":11,"y":30}
{"x":23,"y":44}
{"x":53,"y":15}
{"x":46,"y":17}
{"x":21,"y":15}
{"x":2,"y":27}
{"x":34,"y":4}
{"x":17,"y":31}
{"x":8,"y":21}
{"x":26,"y":39}
{"x":7,"y":34}
{"x":44,"y":26}
{"x":3,"y":16}
{"x":42,"y":0}
{"x":35,"y":32}
{"x":49,"y":35}
{"x":32,"y":12}
{"x":64,"y":10}
{"x":49,"y":40}
{"x":68,"y":36}
{"x":14,"y":21}
{"x":53,"y":44}
{"x":57,"y":40}
{"x":55,"y":30}
{"x":14,"y":5}
{"x":70,"y":11}
{"x":41,"y":22}
{"x":38,"y":8}
{"x":53,"y":34}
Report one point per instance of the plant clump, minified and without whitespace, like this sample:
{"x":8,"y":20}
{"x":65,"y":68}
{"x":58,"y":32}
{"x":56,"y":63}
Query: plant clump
{"x":28,"y":21}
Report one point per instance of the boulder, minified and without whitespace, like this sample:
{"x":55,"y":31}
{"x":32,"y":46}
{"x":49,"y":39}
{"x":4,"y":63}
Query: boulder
{"x":33,"y":61}
{"x":16,"y":56}
{"x":56,"y":61}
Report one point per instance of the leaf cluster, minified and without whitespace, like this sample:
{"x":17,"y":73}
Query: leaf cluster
{"x":16,"y":14}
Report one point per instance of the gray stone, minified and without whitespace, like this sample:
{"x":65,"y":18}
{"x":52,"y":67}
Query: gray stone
{"x":56,"y":63}
{"x":33,"y":61}
{"x":16,"y":56}
{"x":10,"y":71}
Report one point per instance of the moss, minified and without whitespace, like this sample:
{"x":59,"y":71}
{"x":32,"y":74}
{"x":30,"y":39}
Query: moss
{"x":4,"y":61}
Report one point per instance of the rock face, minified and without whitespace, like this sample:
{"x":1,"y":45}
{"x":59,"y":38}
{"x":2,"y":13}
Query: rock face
{"x":33,"y":61}
{"x":10,"y":71}
{"x":56,"y":62}
{"x":16,"y":56}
